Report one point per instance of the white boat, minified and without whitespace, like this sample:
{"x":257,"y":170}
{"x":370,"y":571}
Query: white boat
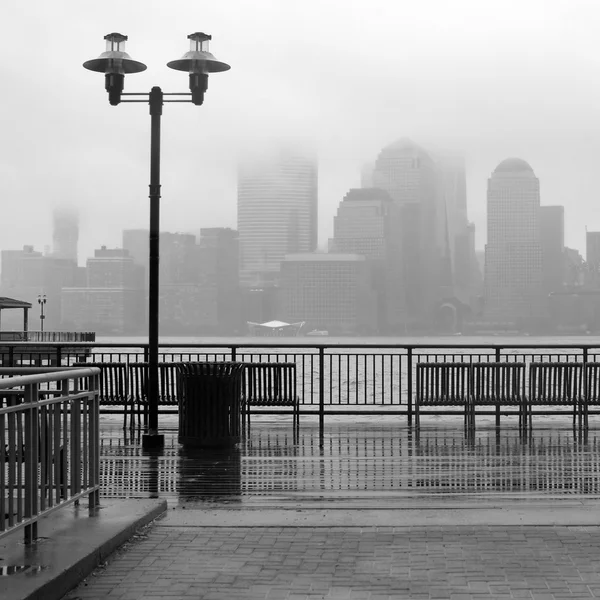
{"x":316,"y":332}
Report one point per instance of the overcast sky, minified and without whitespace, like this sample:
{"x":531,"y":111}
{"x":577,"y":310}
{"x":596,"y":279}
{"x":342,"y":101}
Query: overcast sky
{"x":491,"y":79}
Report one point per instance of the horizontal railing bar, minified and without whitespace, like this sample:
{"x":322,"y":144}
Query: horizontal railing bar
{"x":61,"y":375}
{"x":25,"y":406}
{"x":38,"y":515}
{"x":302,"y":344}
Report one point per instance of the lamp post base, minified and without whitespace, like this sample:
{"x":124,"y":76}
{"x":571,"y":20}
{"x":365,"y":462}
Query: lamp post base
{"x":153,"y":440}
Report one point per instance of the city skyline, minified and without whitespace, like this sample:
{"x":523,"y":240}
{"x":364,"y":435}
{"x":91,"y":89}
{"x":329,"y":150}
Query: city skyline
{"x":490,"y":94}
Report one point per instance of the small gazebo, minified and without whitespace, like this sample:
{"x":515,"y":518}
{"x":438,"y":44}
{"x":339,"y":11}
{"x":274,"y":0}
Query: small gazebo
{"x":12,"y":303}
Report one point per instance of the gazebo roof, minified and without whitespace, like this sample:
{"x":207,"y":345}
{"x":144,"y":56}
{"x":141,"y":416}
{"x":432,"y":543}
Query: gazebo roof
{"x":12,"y":303}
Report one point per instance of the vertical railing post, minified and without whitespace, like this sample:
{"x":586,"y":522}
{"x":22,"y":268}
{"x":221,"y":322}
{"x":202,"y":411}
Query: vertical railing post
{"x":321,"y":394}
{"x":409,"y":373}
{"x":233,"y":353}
{"x":31,"y":460}
{"x":94,"y":413}
{"x":75,"y":450}
{"x":497,"y":391}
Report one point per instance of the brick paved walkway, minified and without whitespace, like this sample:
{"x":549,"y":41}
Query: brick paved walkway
{"x":455,"y":562}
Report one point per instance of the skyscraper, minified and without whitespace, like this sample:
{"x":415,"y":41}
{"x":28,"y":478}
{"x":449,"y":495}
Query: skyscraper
{"x":513,"y":255}
{"x":592,"y":250}
{"x":552,"y":241}
{"x":366,"y":224}
{"x":65,"y":233}
{"x":411,"y":177}
{"x":277,"y":211}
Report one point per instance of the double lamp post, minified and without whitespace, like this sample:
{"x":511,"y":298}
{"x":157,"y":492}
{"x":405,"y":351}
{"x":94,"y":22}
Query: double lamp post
{"x":115,"y":63}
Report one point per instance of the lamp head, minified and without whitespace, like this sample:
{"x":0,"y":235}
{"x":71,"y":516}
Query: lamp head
{"x":115,"y":63}
{"x":198,"y":62}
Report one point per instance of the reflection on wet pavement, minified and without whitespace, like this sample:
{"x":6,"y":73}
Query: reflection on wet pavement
{"x":354,"y":459}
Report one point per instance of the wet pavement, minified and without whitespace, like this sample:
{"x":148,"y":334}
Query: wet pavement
{"x":367,"y":459}
{"x":370,"y":510}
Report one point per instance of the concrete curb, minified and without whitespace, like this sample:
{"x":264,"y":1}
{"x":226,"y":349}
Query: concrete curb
{"x":72,"y":544}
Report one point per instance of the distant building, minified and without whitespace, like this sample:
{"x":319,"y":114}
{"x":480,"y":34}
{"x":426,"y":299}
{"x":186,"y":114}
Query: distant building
{"x":137,"y":243}
{"x":575,"y":311}
{"x":113,"y":268}
{"x":27,"y":273}
{"x":177,"y":255}
{"x":366,"y":175}
{"x":592,"y":257}
{"x":513,"y":254}
{"x":112,"y":301}
{"x":576,"y":270}
{"x":277,"y":211}
{"x":65,"y":233}
{"x":552,"y":241}
{"x":107,"y":311}
{"x":329,"y":292}
{"x":411,"y":177}
{"x":367,"y":223}
{"x":218,"y":268}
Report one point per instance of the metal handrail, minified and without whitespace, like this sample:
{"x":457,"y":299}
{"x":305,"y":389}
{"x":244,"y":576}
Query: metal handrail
{"x":49,"y":447}
{"x":342,"y":376}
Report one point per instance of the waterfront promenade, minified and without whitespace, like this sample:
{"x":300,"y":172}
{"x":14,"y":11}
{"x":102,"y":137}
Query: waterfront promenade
{"x":370,"y":513}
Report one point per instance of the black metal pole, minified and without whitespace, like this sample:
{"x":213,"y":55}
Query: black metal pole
{"x":152,"y":437}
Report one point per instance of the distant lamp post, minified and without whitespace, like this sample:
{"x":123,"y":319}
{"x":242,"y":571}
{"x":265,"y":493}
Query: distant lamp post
{"x":115,"y":63}
{"x":42,"y":301}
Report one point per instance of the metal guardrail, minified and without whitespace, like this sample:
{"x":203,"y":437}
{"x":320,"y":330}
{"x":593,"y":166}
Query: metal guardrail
{"x":49,"y":444}
{"x":47,"y":336}
{"x":332,"y":378}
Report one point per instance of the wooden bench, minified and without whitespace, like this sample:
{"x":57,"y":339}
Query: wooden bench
{"x":113,"y":386}
{"x":270,"y":384}
{"x":498,"y":384}
{"x":556,"y":384}
{"x":592,"y":388}
{"x":443,"y":384}
{"x":138,"y":386}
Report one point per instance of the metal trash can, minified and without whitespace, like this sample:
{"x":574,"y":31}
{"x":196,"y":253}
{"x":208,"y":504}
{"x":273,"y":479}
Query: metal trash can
{"x":209,"y":403}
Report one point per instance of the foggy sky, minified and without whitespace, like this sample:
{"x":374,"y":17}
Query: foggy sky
{"x":491,"y":79}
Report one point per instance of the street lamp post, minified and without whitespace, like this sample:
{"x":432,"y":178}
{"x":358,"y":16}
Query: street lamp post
{"x":115,"y":63}
{"x":42,"y":301}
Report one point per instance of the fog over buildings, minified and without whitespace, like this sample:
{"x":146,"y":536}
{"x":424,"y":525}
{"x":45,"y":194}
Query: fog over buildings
{"x":389,"y":121}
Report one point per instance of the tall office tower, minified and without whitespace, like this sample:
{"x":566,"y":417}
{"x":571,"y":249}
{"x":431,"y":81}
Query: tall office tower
{"x":66,"y":233}
{"x":411,"y":178}
{"x":592,"y":258}
{"x":366,"y":175}
{"x":452,"y":216}
{"x":218,"y":267}
{"x":592,"y":250}
{"x":366,"y":224}
{"x":328,"y":291}
{"x":552,"y":241}
{"x":137,"y":243}
{"x":513,"y":254}
{"x":277,"y":211}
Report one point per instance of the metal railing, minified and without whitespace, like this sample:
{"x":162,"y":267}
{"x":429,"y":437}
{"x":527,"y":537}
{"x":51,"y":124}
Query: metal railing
{"x":47,"y":336}
{"x":344,"y":379}
{"x":49,"y":443}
